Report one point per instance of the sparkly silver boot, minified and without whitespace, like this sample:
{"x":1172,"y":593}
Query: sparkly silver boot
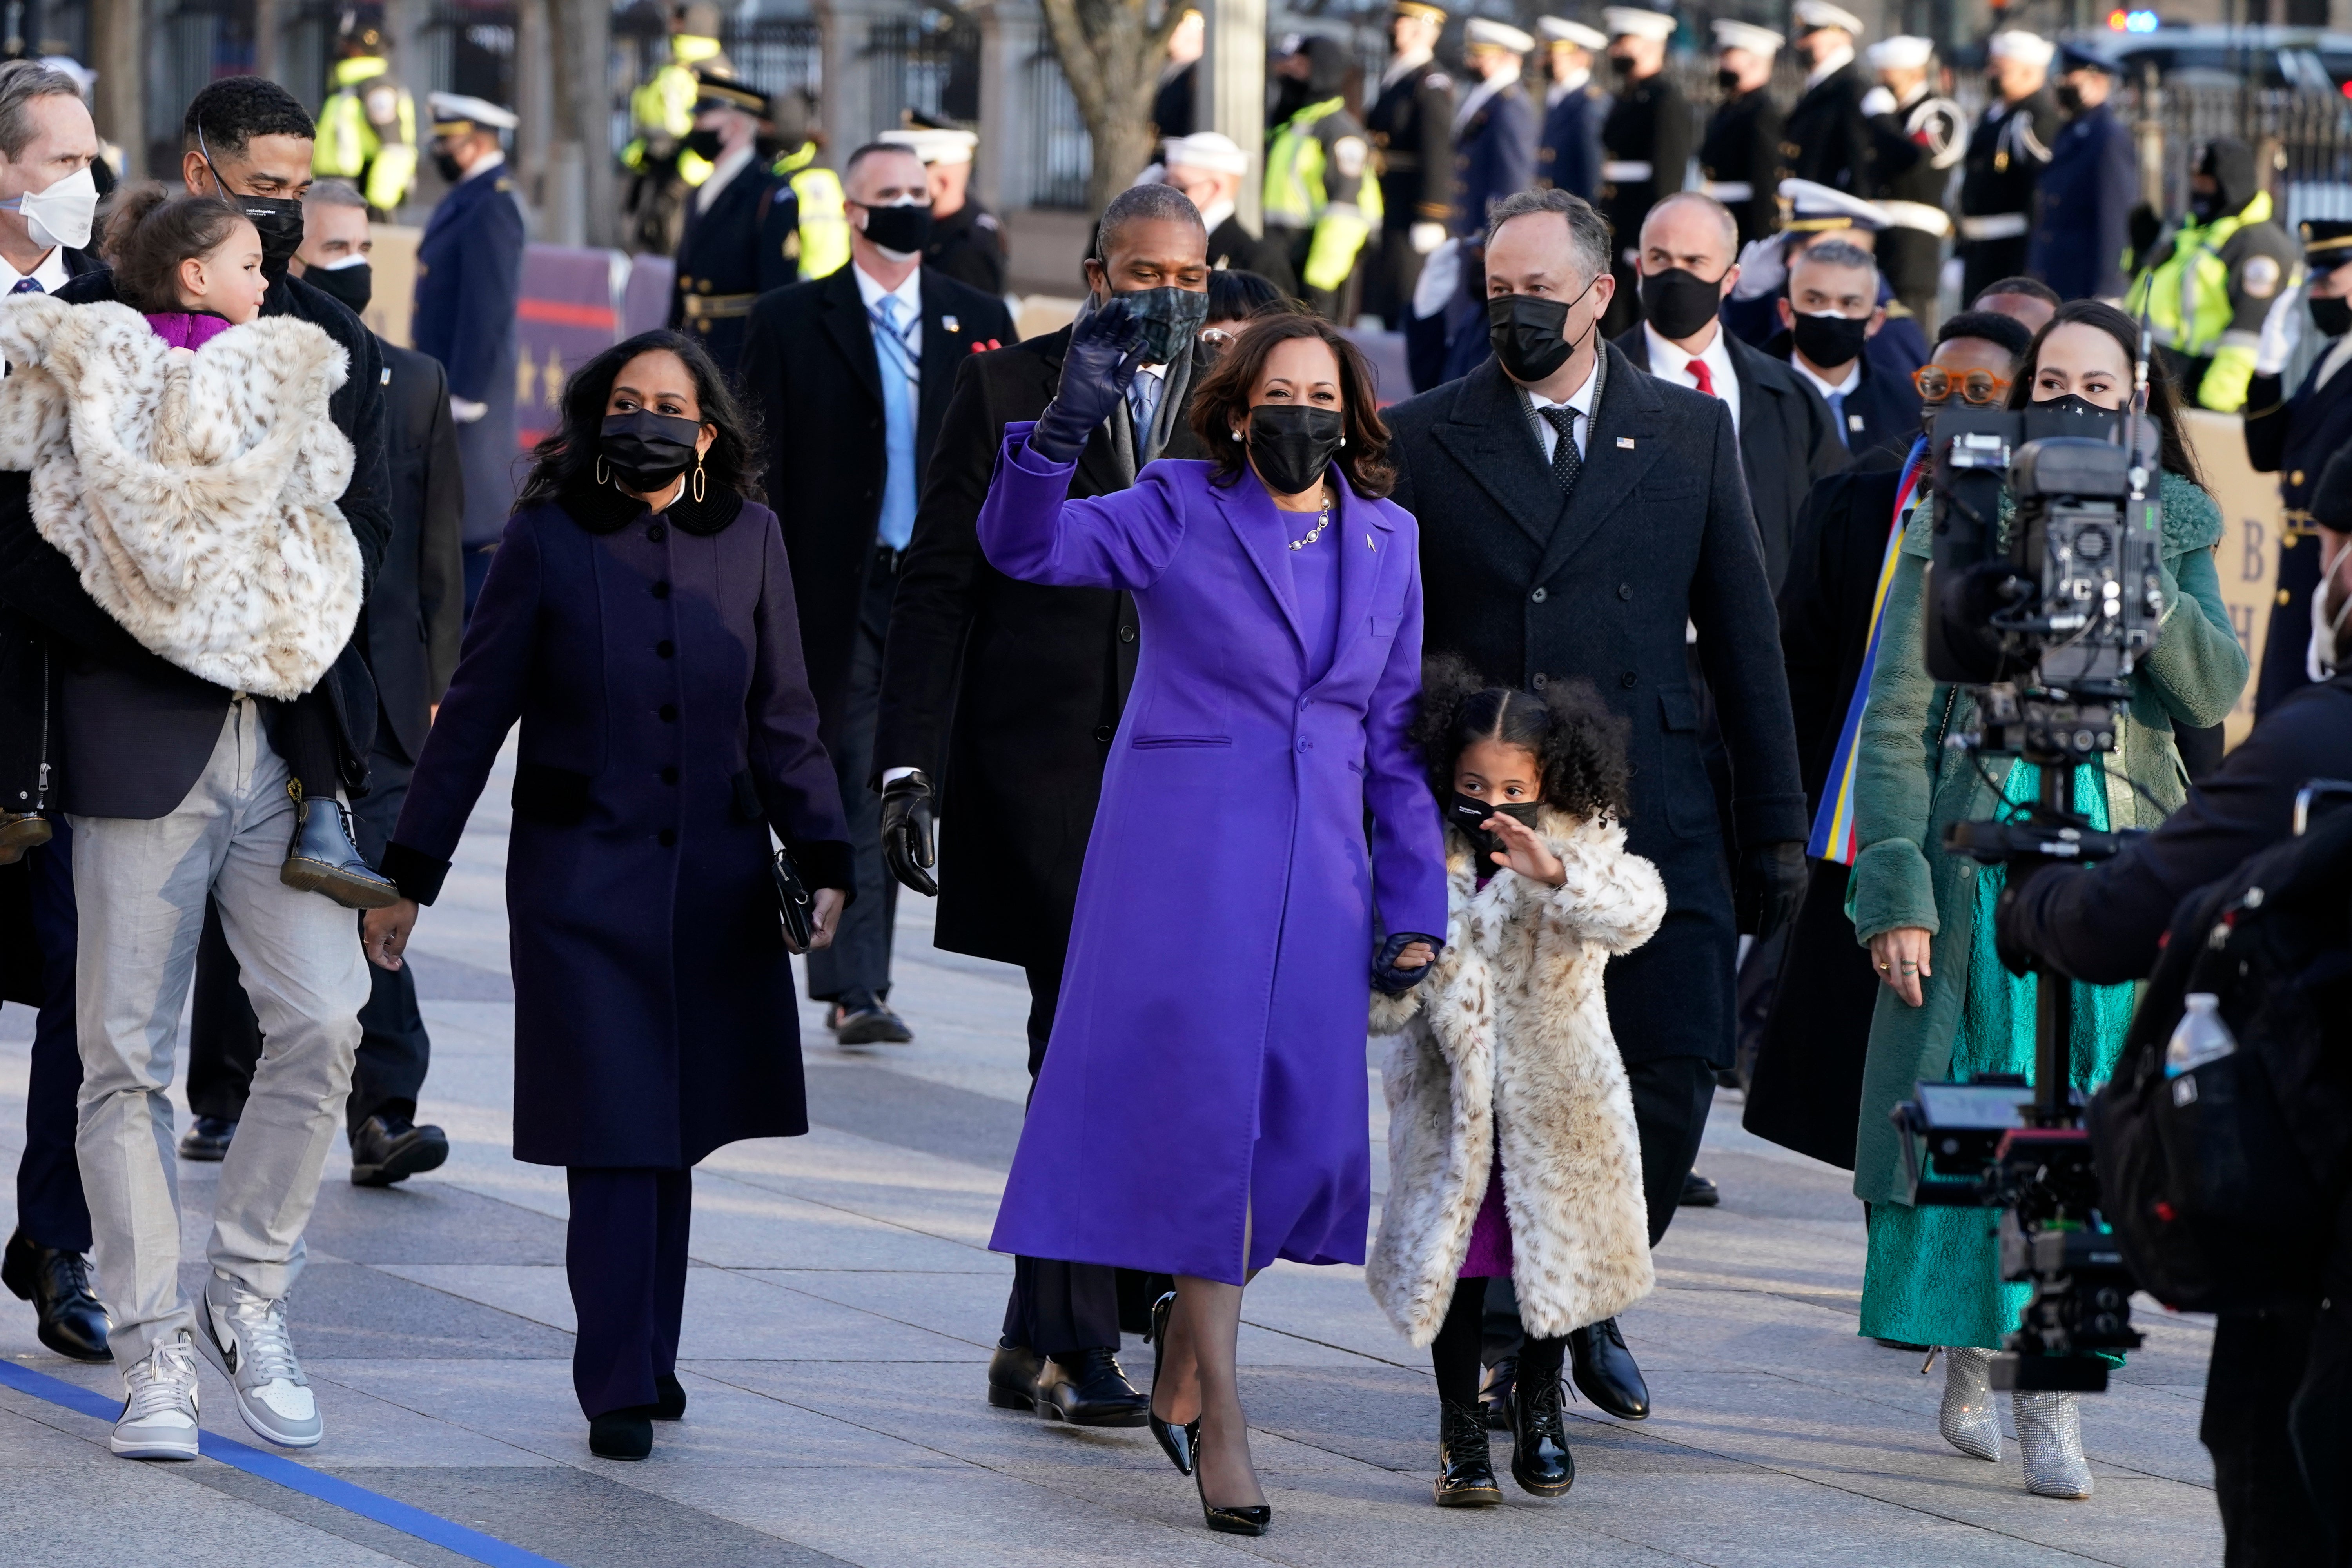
{"x":2050,"y":1432}
{"x":1968,"y":1420}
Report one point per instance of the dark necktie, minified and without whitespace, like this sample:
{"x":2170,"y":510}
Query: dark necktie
{"x":28,"y":285}
{"x":1567,"y":463}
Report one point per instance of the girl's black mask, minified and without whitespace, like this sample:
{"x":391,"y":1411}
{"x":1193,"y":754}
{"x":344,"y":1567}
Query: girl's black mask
{"x":1678,"y":301}
{"x":1173,"y":319}
{"x":1831,"y":340}
{"x":646,"y":451}
{"x":1466,"y":812}
{"x":905,"y":229}
{"x":1525,"y":331}
{"x":2331,"y":318}
{"x":1290,"y":444}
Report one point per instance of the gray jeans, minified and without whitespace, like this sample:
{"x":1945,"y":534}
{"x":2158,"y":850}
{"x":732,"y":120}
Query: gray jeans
{"x":142,"y":886}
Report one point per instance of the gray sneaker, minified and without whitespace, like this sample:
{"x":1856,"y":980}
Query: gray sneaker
{"x":244,"y":1336}
{"x":159,"y":1404}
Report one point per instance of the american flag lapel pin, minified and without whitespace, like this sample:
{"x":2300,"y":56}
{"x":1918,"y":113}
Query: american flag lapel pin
{"x":1625,"y":443}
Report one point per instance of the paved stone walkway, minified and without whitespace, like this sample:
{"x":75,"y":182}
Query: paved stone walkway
{"x":838,"y":1321}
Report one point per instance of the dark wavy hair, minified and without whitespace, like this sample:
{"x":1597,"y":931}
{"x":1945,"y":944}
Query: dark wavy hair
{"x":1223,"y":401}
{"x":149,"y":234}
{"x":565,"y":458}
{"x":2163,"y":397}
{"x":1579,"y":743}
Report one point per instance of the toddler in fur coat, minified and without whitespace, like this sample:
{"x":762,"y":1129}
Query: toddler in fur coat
{"x":1512,"y":1150}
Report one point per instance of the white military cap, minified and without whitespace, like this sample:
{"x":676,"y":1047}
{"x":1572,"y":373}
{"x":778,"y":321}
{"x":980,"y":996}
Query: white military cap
{"x":931,"y":145}
{"x":1212,"y":150}
{"x":1495,"y":34}
{"x":1560,"y":30}
{"x":456,"y":113}
{"x":2017,"y":43}
{"x":1809,"y":207}
{"x":1815,"y":14}
{"x":1904,"y":52}
{"x":1756,"y":40}
{"x":1632,"y":22}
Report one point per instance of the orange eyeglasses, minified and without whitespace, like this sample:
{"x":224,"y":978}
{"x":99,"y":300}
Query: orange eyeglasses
{"x":1978,"y":387}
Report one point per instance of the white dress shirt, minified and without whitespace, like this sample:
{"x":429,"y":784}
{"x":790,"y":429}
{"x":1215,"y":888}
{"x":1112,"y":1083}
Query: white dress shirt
{"x":1672,"y":362}
{"x":1852,"y":377}
{"x":911,"y":305}
{"x":1580,"y":400}
{"x":1478,"y":97}
{"x":49,"y":272}
{"x":729,"y":164}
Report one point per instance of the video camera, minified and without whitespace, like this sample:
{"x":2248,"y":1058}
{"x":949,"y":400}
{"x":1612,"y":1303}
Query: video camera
{"x":2044,"y":614}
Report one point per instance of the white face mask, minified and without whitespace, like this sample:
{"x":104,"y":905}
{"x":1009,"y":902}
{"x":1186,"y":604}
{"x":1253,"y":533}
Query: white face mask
{"x":60,"y":215}
{"x":2324,"y":656}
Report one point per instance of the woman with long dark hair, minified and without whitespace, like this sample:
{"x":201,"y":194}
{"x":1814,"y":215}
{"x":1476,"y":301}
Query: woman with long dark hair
{"x":1947,"y":1008}
{"x":638,"y":622}
{"x":1227,"y":916}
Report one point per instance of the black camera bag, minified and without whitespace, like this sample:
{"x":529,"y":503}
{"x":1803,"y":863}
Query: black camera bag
{"x":2218,"y":1182}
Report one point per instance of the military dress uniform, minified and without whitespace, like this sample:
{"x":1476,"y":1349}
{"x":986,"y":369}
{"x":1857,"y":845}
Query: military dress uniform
{"x":968,"y":245}
{"x":2000,"y":172}
{"x":746,"y":242}
{"x":1826,"y":138}
{"x":1410,"y":127}
{"x":1919,"y":142}
{"x":1568,"y":153}
{"x":2082,"y":231}
{"x":1494,"y":153}
{"x":1740,"y":158}
{"x":1646,"y":146}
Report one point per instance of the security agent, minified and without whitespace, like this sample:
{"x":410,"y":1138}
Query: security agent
{"x":967,"y":243}
{"x":1411,"y":125}
{"x":1568,"y":153}
{"x":1917,"y":140}
{"x":2007,"y":152}
{"x":1829,"y":315}
{"x":2209,"y":282}
{"x":742,"y":223}
{"x":2081,"y":227}
{"x":1209,"y":168}
{"x":2294,"y":436}
{"x":1646,"y":142}
{"x":1827,"y":137}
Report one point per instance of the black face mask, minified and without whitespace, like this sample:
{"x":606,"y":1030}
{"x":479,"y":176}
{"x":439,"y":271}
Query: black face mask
{"x":1290,"y":444}
{"x":1621,"y":65}
{"x":2070,"y":98}
{"x":1727,"y":79}
{"x":2331,"y":318}
{"x":2074,"y":403}
{"x":903,"y":230}
{"x":446,"y":164}
{"x":1466,"y":813}
{"x":646,"y":451}
{"x":2204,"y":208}
{"x":1831,"y":340}
{"x":1525,"y":331}
{"x":703,"y":141}
{"x":278,"y":220}
{"x":1172,"y":318}
{"x":1678,"y":302}
{"x":354,"y":285}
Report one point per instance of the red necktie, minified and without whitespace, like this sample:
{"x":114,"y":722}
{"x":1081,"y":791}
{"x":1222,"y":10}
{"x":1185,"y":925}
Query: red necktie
{"x":1698,"y":374}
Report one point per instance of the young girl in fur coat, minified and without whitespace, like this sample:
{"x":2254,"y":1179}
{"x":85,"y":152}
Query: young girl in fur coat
{"x":1512,"y":1150}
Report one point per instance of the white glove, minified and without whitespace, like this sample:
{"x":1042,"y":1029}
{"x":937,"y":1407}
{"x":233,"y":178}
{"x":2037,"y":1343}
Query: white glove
{"x":464,"y":412}
{"x":1426,"y":238}
{"x":2281,"y":330}
{"x":1440,"y":275}
{"x":1877,"y":102}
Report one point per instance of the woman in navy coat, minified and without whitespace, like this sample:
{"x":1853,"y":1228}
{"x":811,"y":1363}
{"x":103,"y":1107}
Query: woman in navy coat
{"x":638,"y":621}
{"x":1203,"y":1109}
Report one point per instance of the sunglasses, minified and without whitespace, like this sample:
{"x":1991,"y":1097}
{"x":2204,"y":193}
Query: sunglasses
{"x":1978,"y":387}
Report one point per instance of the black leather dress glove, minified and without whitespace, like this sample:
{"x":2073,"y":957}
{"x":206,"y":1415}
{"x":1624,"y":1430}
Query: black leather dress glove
{"x":1387,"y":976}
{"x":908,"y":846}
{"x":1771,"y":882}
{"x":1105,"y":346}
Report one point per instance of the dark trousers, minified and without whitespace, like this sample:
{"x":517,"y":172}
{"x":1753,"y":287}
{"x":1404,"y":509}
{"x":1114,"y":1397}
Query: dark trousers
{"x":625,"y":1254}
{"x":225,"y":1039}
{"x":51,"y":1210}
{"x":1056,"y":1308}
{"x":1984,"y":262}
{"x":856,"y":967}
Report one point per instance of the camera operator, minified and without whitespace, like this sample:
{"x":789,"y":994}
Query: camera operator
{"x":1947,"y":1010}
{"x":2276,"y":1394}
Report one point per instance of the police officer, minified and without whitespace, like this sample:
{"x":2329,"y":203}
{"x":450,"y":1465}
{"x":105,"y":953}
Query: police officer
{"x":661,"y":114}
{"x":1827,"y":137}
{"x":1645,"y":145}
{"x":1209,"y":167}
{"x":1919,"y":138}
{"x":2212,"y":281}
{"x":2082,"y":226}
{"x":2294,"y":436}
{"x":796,"y":149}
{"x":1411,"y":124}
{"x":367,"y":127}
{"x":1568,"y":153}
{"x":468,"y":283}
{"x":967,"y":243}
{"x":1740,"y":153}
{"x":742,"y":223}
{"x":1495,"y":126}
{"x":1320,"y":198}
{"x":2007,"y":152}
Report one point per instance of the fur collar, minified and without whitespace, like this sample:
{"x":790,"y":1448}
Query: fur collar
{"x":605,"y":508}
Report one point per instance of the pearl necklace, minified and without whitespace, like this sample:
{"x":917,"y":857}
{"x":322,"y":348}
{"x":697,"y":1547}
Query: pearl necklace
{"x":1321,"y":524}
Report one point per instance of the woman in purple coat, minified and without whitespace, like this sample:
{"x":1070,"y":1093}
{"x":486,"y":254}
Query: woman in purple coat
{"x":1203,"y":1115}
{"x":638,"y":621}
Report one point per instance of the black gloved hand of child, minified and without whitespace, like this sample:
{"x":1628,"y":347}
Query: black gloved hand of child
{"x":1386,"y":975}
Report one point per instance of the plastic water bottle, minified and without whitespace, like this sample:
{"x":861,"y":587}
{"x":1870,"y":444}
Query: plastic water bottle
{"x":2201,"y":1036}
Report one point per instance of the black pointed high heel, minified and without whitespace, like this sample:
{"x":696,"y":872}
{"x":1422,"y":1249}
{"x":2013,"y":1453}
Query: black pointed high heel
{"x":1232,"y":1520}
{"x":1179,"y":1443}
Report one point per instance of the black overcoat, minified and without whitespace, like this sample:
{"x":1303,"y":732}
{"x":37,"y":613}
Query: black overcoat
{"x":1826,"y":138}
{"x":809,"y":366}
{"x":2294,"y":438}
{"x":1656,"y":538}
{"x":415,"y":608}
{"x":666,"y":725}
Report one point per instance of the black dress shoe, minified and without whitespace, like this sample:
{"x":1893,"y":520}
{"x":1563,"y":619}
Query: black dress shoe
{"x":72,"y":1324}
{"x":1606,"y":1372}
{"x":1466,"y":1466}
{"x":1698,"y":1193}
{"x":1541,"y":1461}
{"x":1232,"y":1520}
{"x":624,"y":1433}
{"x":670,"y":1397}
{"x":207,"y":1138}
{"x":1089,"y":1388}
{"x":388,"y":1149}
{"x":1013,"y":1376}
{"x":1495,"y":1394}
{"x":871,"y":1024}
{"x":322,"y":858}
{"x":1179,"y":1443}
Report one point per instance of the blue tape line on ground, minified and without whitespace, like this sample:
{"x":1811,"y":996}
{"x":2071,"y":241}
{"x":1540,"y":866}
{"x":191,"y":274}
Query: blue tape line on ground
{"x":328,"y":1488}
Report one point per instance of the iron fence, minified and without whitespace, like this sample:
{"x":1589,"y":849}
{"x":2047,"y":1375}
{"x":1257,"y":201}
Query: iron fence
{"x":777,"y":53}
{"x":1060,"y":155}
{"x":928,"y":62}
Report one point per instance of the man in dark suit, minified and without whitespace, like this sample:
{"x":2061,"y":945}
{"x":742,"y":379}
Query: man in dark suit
{"x":1411,"y":124}
{"x":1209,"y":168}
{"x":1568,"y":153}
{"x":1828,"y":315}
{"x":1826,"y":138}
{"x":742,"y":224}
{"x":851,"y":375}
{"x":1578,"y":517}
{"x":1007,"y":694}
{"x":1739,"y":156}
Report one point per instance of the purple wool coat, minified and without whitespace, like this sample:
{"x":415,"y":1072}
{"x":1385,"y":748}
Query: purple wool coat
{"x":1206,"y":1074}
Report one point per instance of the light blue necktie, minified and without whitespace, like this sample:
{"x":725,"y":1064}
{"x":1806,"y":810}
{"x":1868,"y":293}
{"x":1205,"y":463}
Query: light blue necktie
{"x":901,"y":375}
{"x":1142,"y":403}
{"x":1837,"y":418}
{"x":28,"y":285}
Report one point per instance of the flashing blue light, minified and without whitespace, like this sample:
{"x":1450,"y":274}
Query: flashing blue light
{"x":2139,"y":22}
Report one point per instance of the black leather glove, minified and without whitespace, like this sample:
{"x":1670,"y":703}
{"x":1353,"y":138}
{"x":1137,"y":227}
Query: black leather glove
{"x":1106,"y":347}
{"x":2014,"y":956}
{"x":1387,"y":976}
{"x":1771,"y":883}
{"x":908,"y":846}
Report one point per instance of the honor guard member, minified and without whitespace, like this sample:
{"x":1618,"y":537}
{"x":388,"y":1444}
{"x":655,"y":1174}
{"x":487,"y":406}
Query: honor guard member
{"x":367,"y":127}
{"x":824,"y":215}
{"x":1568,"y":153}
{"x":2007,"y":152}
{"x":1493,"y":126}
{"x":469,"y":284}
{"x":1645,"y":145}
{"x":1827,"y":137}
{"x":742,"y":224}
{"x":1209,"y":167}
{"x":1739,"y":157}
{"x":2081,"y":227}
{"x":2294,"y":436}
{"x":1918,"y":139}
{"x":1321,"y":200}
{"x":1411,"y":124}
{"x":2212,"y":279}
{"x":967,"y":243}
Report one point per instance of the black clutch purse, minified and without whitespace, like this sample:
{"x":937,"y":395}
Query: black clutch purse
{"x":794,"y":907}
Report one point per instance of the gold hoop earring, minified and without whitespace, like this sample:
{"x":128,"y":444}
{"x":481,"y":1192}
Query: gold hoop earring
{"x":698,"y":481}
{"x":602,"y":477}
